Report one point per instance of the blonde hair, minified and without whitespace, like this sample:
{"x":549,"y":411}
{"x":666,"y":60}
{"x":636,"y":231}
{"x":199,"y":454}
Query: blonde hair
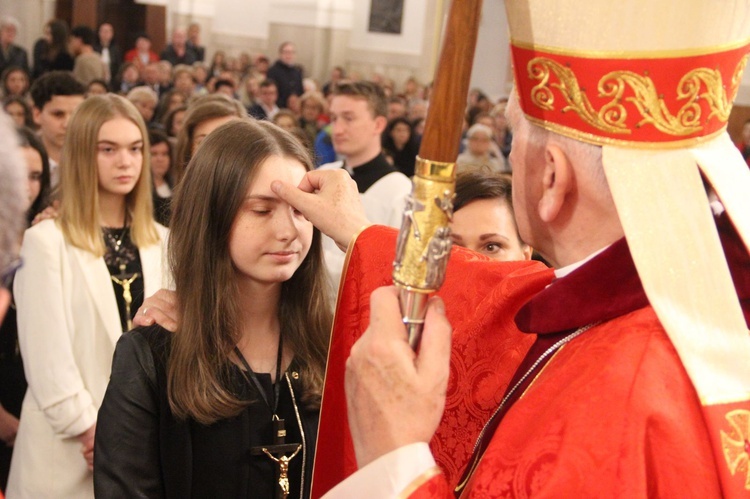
{"x":142,"y":94}
{"x":79,"y":180}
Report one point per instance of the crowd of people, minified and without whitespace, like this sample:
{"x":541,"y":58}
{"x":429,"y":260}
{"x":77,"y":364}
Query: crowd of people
{"x":180,"y":73}
{"x":188,"y":222}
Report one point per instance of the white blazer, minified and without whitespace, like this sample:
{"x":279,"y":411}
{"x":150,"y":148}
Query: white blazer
{"x":68,"y":325}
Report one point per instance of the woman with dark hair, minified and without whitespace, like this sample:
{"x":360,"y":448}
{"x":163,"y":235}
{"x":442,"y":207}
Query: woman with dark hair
{"x":13,"y":386}
{"x":173,"y":121}
{"x":204,"y":115}
{"x":483,"y":218}
{"x":51,"y":51}
{"x":199,"y":412}
{"x":161,"y":163}
{"x":401,"y":144}
{"x":15,"y":82}
{"x":168,"y":102}
{"x":37,"y":163}
{"x":18,"y":109}
{"x":97,"y":87}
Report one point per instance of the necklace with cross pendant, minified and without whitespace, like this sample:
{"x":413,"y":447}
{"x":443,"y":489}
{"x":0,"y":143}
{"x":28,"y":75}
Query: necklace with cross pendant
{"x":280,"y":452}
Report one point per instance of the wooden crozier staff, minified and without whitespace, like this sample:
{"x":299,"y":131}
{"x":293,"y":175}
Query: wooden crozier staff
{"x":424,"y":241}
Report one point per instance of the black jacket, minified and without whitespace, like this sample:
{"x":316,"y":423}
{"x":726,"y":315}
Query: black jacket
{"x":143,"y":450}
{"x":16,"y":57}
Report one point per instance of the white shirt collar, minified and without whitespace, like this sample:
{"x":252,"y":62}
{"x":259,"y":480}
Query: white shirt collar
{"x":563,"y":271}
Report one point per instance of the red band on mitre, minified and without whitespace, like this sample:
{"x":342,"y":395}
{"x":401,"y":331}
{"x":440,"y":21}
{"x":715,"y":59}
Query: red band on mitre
{"x":672,"y":101}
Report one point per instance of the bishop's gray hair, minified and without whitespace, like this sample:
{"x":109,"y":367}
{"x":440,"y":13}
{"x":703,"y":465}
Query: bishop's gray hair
{"x":13,"y":197}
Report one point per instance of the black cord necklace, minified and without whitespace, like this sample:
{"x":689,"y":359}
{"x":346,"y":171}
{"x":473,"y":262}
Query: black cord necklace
{"x":249,"y":373}
{"x":279,"y":452}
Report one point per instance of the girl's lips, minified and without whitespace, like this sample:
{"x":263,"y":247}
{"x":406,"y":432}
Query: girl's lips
{"x":283,"y":256}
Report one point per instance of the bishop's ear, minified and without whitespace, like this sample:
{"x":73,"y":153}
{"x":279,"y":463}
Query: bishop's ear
{"x":557,"y":182}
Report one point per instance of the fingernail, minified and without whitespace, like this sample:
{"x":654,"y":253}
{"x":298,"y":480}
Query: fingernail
{"x":148,"y":320}
{"x":276,"y":186}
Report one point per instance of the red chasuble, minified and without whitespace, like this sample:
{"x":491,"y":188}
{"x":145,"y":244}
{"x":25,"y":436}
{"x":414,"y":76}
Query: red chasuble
{"x":487,"y":348}
{"x":611,"y":414}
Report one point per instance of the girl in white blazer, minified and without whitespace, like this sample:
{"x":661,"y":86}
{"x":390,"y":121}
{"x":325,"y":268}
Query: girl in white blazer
{"x":83,"y":278}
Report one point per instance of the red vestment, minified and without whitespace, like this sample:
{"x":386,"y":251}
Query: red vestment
{"x":481,"y":363}
{"x":612,"y":414}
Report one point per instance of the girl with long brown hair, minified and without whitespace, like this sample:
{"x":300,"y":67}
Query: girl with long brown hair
{"x":227,"y":405}
{"x":84,"y":276}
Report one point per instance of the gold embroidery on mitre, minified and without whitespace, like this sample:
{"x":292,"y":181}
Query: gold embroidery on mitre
{"x":736,"y":444}
{"x":610,"y":119}
{"x":646,"y":99}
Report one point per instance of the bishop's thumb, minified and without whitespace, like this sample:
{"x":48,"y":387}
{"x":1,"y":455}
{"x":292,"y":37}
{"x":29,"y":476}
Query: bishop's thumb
{"x":300,"y":200}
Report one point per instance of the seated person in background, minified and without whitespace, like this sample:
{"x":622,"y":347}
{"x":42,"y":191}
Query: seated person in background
{"x":286,"y":120}
{"x":18,"y":109}
{"x":51,"y":51}
{"x":144,"y":99}
{"x":168,"y":102}
{"x":97,"y":87}
{"x":126,"y":79}
{"x":401,"y":144}
{"x":204,"y":115}
{"x":483,"y":218}
{"x":183,"y":80}
{"x":194,"y":413}
{"x":161,"y":163}
{"x":172,"y":122}
{"x":88,"y":64}
{"x":15,"y":82}
{"x":478,"y":153}
{"x":265,"y":107}
{"x":11,"y":54}
{"x":179,"y":52}
{"x":225,"y":87}
{"x":312,"y":117}
{"x":141,"y":54}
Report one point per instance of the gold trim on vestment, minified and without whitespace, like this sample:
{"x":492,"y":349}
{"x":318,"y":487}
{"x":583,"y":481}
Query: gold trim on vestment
{"x":419,"y":481}
{"x":734,"y":444}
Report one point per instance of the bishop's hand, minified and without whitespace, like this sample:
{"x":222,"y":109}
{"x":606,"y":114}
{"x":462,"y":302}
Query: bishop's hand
{"x":395,"y":396}
{"x":330,"y":200}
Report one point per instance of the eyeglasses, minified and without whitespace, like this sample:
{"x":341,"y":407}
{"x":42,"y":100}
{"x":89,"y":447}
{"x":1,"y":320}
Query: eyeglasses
{"x":6,"y":277}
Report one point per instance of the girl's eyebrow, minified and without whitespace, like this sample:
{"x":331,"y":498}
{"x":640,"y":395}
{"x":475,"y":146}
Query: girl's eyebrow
{"x":272,"y":199}
{"x":137,"y":142}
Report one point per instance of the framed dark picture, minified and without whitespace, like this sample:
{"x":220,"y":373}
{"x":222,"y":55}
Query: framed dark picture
{"x":386,"y":16}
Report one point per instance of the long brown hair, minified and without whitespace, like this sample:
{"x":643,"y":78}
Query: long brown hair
{"x":79,"y":178}
{"x":204,"y":207}
{"x":201,"y":109}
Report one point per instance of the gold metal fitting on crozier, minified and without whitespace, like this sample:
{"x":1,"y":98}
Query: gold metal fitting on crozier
{"x":424,"y":242}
